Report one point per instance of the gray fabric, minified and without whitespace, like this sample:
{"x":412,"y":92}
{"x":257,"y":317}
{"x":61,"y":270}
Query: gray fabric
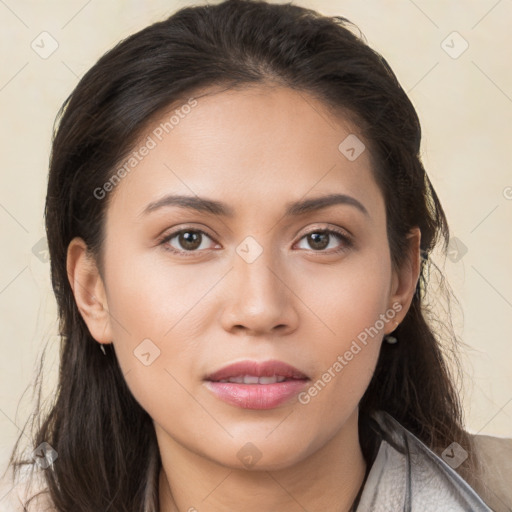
{"x":406,"y":476}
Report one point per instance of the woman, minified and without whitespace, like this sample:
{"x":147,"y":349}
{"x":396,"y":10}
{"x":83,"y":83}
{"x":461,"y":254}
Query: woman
{"x":238,"y":218}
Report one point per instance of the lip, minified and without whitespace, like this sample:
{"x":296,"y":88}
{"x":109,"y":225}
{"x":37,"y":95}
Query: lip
{"x":258,"y":369}
{"x":257,"y":396}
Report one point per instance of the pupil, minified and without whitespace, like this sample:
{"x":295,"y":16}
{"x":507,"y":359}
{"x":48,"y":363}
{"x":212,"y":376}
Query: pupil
{"x":316,"y":244}
{"x":186,"y":240}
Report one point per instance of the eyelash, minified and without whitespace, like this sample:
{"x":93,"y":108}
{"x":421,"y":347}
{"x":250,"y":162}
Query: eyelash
{"x":347,"y":241}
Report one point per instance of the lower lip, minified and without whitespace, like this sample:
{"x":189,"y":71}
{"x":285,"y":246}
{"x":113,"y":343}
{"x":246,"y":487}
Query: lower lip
{"x":256,"y":396}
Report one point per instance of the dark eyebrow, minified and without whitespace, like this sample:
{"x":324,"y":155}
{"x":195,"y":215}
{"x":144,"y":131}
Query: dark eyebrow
{"x":316,"y":203}
{"x":221,"y":209}
{"x":200,"y":204}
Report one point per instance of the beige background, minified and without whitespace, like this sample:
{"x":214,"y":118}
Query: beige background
{"x":465,"y":105}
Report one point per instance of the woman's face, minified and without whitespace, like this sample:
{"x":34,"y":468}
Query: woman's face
{"x":250,"y":279}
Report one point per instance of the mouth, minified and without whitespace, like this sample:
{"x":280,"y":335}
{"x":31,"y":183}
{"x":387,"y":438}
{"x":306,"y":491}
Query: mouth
{"x":254,"y":379}
{"x":255,"y":372}
{"x":256,"y":385}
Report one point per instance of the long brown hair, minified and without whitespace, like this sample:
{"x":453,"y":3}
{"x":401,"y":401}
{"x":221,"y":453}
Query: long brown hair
{"x":105,"y":441}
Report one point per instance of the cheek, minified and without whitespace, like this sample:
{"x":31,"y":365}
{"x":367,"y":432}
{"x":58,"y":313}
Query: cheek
{"x":152,"y":298}
{"x":353,"y":310}
{"x":346,"y":360}
{"x":352,"y":297}
{"x":334,"y":396}
{"x":156,"y":313}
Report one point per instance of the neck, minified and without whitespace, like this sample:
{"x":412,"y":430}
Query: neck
{"x":328,"y":480}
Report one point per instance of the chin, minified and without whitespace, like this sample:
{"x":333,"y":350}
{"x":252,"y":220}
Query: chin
{"x":265,"y":456}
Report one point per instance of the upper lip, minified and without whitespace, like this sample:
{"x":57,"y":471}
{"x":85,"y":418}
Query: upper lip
{"x":258,"y":369}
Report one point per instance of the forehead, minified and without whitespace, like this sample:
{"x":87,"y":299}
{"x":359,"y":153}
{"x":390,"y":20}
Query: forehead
{"x":252,"y":147}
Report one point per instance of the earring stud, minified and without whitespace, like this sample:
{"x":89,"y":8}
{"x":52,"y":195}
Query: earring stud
{"x":391,"y":339}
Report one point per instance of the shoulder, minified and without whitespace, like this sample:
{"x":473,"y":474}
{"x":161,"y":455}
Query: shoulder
{"x":410,"y":476}
{"x":16,"y":490}
{"x":494,"y":481}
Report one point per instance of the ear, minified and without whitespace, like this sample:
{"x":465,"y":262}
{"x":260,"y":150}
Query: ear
{"x":88,"y":290}
{"x":405,"y":279}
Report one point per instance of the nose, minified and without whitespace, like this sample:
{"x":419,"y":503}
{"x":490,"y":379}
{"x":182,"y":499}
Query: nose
{"x":259,"y":297}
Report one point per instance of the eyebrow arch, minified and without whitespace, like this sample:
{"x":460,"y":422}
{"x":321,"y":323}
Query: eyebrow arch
{"x":218,"y":208}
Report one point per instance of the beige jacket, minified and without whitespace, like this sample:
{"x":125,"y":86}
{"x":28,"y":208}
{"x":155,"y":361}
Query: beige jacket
{"x":494,"y":484}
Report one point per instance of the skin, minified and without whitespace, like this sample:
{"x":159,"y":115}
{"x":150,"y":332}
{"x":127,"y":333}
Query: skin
{"x":255,"y":149}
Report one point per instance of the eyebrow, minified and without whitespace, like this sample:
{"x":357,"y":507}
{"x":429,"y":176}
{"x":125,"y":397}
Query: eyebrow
{"x":202,"y":204}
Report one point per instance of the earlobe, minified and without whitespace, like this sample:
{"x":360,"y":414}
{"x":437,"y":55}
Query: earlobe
{"x":88,"y":290}
{"x":406,"y":278}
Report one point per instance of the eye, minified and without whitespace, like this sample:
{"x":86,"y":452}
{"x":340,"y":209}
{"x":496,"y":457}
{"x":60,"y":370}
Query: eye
{"x":188,"y":240}
{"x":319,"y":239}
